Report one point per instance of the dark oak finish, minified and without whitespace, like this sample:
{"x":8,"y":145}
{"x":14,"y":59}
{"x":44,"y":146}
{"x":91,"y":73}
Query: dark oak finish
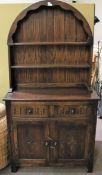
{"x":51,"y":107}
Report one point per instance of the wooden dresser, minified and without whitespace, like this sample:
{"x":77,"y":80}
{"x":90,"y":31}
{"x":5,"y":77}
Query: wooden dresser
{"x":51,"y":107}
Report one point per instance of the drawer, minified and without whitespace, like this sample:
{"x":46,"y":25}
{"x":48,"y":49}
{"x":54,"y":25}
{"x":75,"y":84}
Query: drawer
{"x":23,"y":109}
{"x":52,"y":109}
{"x":72,"y":110}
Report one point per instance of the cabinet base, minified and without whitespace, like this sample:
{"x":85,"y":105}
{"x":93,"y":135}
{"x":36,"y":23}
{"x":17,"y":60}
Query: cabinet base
{"x":15,"y":168}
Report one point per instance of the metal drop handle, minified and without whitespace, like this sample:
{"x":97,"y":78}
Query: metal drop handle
{"x":53,"y":145}
{"x":50,"y":144}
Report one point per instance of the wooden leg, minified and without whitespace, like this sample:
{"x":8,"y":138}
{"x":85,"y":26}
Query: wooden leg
{"x":90,"y":167}
{"x":14,"y":168}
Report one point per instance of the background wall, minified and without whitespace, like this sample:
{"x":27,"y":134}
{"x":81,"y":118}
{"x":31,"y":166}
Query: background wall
{"x":8,"y":13}
{"x":98,"y":26}
{"x":32,"y":1}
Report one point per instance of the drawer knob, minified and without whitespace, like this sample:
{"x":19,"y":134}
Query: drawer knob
{"x":72,"y":111}
{"x":30,"y":111}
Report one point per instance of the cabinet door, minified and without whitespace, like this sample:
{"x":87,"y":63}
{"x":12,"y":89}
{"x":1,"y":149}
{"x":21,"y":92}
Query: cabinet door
{"x":71,"y":142}
{"x":29,"y":142}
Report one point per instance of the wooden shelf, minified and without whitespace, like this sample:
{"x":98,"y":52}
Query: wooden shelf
{"x":50,"y":66}
{"x":48,"y":43}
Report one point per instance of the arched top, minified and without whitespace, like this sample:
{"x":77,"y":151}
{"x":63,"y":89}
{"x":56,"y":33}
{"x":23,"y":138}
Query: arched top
{"x":50,"y":3}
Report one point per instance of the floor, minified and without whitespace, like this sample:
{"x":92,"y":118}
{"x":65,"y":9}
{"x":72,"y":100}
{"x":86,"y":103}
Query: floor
{"x":67,"y":171}
{"x":99,"y":130}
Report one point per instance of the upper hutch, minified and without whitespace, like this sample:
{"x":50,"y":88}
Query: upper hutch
{"x":50,"y":45}
{"x":51,"y":106}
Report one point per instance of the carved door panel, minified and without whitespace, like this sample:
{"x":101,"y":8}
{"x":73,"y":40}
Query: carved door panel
{"x":73,"y":140}
{"x":68,"y":141}
{"x":29,"y":142}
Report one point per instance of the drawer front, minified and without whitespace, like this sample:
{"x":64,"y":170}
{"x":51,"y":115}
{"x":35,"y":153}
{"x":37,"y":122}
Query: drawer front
{"x":29,"y":109}
{"x":68,"y":110}
{"x":50,"y":109}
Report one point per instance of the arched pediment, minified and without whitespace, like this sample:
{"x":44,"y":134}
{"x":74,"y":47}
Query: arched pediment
{"x":52,"y":18}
